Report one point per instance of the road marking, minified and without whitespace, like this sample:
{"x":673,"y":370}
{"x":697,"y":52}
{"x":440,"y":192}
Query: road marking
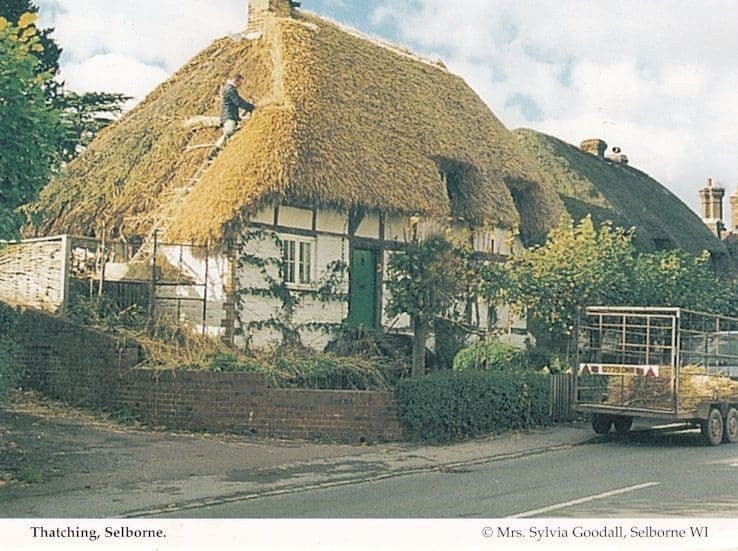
{"x":583,"y":500}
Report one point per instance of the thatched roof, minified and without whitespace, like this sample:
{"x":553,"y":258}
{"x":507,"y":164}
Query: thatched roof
{"x":341,"y":120}
{"x":588,"y":184}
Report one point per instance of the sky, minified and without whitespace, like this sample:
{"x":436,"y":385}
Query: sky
{"x":659,"y":79}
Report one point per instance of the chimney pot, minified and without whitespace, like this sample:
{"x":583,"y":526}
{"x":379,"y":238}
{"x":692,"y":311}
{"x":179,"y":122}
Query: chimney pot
{"x":617,"y":156}
{"x":594,"y":146}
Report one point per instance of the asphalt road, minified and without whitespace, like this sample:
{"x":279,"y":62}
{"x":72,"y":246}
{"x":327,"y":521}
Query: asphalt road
{"x":648,"y":474}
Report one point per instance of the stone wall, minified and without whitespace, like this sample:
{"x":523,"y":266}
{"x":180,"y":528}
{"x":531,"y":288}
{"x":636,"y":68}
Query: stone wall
{"x":92,"y":369}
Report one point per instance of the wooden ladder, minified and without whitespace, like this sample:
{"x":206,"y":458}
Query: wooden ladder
{"x":160,"y":224}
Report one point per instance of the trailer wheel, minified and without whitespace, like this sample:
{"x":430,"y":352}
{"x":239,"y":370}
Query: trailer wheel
{"x":730,"y":429}
{"x":601,"y":423}
{"x":712,"y":427}
{"x":622,"y":424}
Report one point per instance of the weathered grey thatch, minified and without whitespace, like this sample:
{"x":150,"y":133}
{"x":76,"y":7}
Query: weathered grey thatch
{"x":588,"y":184}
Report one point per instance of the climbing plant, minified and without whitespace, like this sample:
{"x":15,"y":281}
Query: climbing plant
{"x":270,"y":269}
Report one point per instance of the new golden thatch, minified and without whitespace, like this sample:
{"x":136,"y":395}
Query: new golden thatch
{"x":622,"y":194}
{"x":341,"y":121}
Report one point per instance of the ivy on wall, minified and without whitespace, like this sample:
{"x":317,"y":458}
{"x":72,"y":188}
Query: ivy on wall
{"x":329,"y":288}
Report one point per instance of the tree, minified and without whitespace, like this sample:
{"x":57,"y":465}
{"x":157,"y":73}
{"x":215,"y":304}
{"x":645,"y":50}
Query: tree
{"x":578,"y":265}
{"x":30,"y":129}
{"x":426,"y":280}
{"x":81,"y":115}
{"x":677,"y":278}
{"x":42,"y":125}
{"x":48,"y":56}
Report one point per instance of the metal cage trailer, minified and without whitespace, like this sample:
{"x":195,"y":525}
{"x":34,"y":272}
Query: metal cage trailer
{"x":667,"y":364}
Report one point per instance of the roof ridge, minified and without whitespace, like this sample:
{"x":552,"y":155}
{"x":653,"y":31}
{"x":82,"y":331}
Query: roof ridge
{"x":277,"y":96}
{"x":377,"y":41}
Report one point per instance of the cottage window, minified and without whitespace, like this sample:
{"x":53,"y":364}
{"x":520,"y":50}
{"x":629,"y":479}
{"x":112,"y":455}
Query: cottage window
{"x":297,"y":259}
{"x":483,"y":241}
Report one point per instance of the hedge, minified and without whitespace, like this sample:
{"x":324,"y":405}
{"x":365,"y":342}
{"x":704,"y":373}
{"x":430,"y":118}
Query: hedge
{"x":453,"y":405}
{"x":491,"y":356}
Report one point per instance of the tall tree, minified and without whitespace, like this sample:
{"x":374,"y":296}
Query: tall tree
{"x":82,"y":115}
{"x":425,"y":280}
{"x":578,"y":265}
{"x":48,"y":56}
{"x":30,"y":130}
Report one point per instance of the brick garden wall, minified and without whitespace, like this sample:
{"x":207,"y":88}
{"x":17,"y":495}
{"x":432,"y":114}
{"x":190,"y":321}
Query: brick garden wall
{"x":89,"y":368}
{"x":241,"y":403}
{"x":69,"y":362}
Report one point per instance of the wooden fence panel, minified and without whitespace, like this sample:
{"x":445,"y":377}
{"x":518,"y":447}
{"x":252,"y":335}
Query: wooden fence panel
{"x":561,"y":396}
{"x":35,"y":272}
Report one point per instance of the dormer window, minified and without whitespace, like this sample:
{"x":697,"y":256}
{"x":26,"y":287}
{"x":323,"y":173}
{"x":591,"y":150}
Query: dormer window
{"x":455,"y":176}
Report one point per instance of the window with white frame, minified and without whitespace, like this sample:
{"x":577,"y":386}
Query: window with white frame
{"x":297,"y":260}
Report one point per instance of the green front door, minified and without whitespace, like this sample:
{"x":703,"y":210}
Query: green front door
{"x":362,"y":287}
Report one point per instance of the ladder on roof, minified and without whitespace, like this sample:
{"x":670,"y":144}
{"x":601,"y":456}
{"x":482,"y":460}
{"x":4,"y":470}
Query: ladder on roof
{"x":160,"y":224}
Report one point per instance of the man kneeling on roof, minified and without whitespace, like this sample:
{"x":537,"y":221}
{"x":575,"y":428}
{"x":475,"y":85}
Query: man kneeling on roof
{"x":229,"y":111}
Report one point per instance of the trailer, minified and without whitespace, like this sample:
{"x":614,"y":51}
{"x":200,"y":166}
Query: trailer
{"x":669,"y":364}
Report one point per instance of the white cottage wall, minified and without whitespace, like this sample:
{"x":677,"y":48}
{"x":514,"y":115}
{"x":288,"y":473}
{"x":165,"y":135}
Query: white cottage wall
{"x":327,"y":230}
{"x":330,"y":246}
{"x":395,"y":228}
{"x":369,"y":226}
{"x":185,"y":302}
{"x":253,"y":307}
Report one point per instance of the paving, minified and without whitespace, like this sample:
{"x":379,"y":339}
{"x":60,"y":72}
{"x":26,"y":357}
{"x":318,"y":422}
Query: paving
{"x":78,"y":465}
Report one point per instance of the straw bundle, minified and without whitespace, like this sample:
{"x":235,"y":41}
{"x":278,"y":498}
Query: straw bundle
{"x":696,"y":385}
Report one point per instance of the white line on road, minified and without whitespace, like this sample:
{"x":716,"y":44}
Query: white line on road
{"x":583,"y":500}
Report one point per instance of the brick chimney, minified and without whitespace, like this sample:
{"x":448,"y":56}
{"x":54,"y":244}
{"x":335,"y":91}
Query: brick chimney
{"x":594,"y":146}
{"x":734,"y":211}
{"x":711,"y":198}
{"x":260,"y":10}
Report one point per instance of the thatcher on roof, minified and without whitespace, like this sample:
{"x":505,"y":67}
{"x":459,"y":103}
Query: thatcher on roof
{"x":341,"y":121}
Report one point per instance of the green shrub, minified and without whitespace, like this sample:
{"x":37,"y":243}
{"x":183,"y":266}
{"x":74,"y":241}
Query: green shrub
{"x":229,"y":362}
{"x":10,"y":367}
{"x":455,"y":405}
{"x":491,"y":356}
{"x":537,"y":358}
